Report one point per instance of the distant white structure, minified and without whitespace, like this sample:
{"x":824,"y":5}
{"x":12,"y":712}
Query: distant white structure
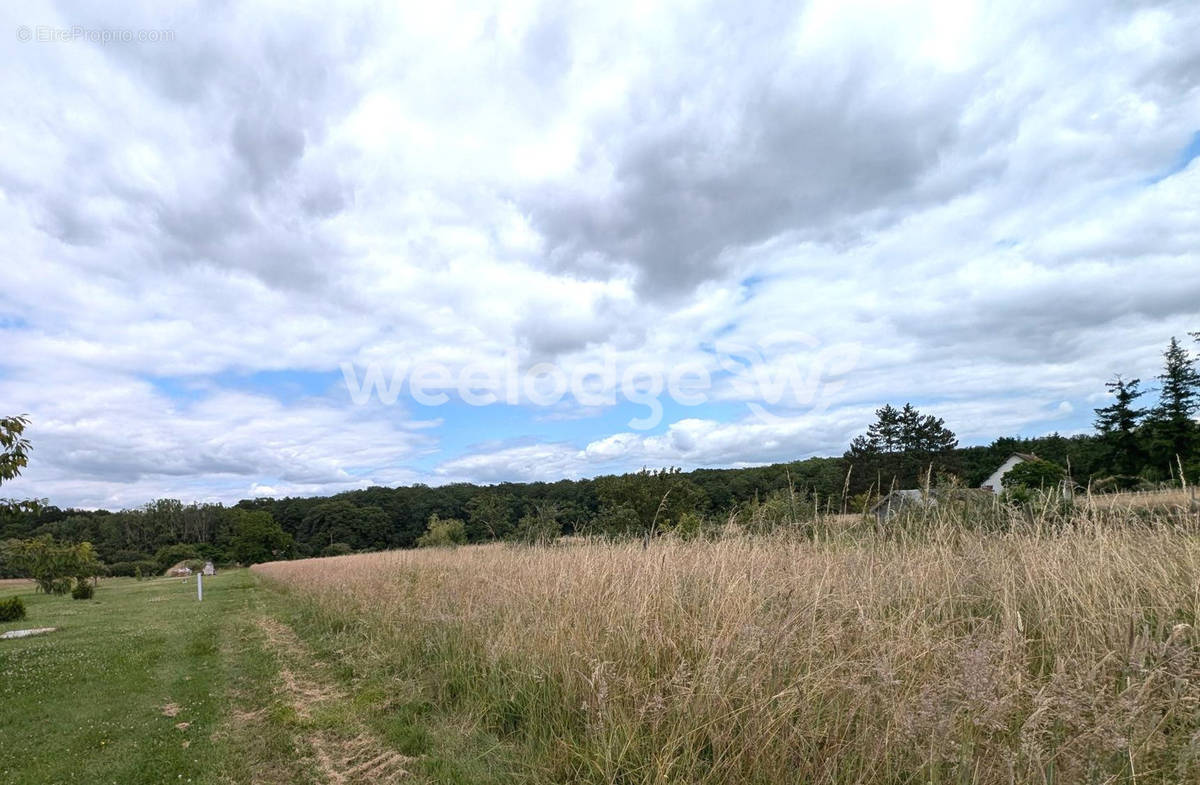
{"x":209,"y":569}
{"x":995,"y":483}
{"x":914,"y":499}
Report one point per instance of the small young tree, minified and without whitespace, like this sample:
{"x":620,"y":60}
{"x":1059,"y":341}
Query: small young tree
{"x":55,"y":566}
{"x":12,"y":609}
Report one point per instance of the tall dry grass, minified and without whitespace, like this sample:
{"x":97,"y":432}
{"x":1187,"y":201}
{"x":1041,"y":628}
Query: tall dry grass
{"x":1057,"y":653}
{"x":1166,"y":498}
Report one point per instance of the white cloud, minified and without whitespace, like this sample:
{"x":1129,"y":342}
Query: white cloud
{"x":982,"y":197}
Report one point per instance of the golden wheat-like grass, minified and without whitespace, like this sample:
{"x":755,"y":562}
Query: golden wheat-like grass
{"x":1054,"y":654}
{"x":1167,"y":498}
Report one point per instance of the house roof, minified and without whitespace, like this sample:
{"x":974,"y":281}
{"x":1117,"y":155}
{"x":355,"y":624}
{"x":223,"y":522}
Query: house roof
{"x":891,"y":498}
{"x":909,"y":495}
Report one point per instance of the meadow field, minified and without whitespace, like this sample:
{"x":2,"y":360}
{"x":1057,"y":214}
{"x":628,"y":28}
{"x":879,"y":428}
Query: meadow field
{"x":1049,"y":646}
{"x":1164,"y":499}
{"x":1058,"y":651}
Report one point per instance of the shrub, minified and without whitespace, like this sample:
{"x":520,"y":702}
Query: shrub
{"x":133,"y":569}
{"x":337,"y":549}
{"x":689,"y":526}
{"x":12,"y":609}
{"x":83,"y":590}
{"x":128,"y":555}
{"x":782,"y":509}
{"x":1034,"y":475}
{"x":443,"y":533}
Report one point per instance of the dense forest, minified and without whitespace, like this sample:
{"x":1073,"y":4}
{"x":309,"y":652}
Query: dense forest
{"x":1132,"y":447}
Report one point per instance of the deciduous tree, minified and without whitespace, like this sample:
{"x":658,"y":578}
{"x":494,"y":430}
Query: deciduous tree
{"x":257,"y":537}
{"x":638,"y":503}
{"x":54,"y":565}
{"x":14,"y":447}
{"x":1036,"y":474}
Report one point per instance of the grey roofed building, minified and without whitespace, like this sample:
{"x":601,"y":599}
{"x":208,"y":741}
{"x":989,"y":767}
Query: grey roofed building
{"x":898,"y":502}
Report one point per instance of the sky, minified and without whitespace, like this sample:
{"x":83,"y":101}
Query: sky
{"x":266,"y":250}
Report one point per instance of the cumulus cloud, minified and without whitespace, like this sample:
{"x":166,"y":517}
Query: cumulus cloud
{"x":112,"y":440}
{"x":993,"y":204}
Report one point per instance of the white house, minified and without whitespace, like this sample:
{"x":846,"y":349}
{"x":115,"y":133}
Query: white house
{"x":209,"y":569}
{"x":995,"y":483}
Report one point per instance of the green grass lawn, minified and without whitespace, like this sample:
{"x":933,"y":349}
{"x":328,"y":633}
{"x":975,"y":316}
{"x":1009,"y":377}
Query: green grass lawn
{"x":143,"y":684}
{"x":86,"y":703}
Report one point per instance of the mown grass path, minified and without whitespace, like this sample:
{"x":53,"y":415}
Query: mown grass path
{"x":295,"y":719}
{"x":144,"y":684}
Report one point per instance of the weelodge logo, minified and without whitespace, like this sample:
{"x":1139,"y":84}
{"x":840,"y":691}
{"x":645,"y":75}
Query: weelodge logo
{"x":779,"y":376}
{"x":788,"y":371}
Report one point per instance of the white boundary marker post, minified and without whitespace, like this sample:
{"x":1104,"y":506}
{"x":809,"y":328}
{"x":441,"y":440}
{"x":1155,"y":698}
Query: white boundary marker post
{"x":199,"y":587}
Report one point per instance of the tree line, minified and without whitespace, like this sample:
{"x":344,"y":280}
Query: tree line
{"x":903,"y":448}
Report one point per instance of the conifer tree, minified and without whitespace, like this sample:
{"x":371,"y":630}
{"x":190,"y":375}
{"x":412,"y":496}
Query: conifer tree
{"x":1119,"y":425}
{"x":903,"y":430}
{"x":1173,"y":428}
{"x":924,"y":433}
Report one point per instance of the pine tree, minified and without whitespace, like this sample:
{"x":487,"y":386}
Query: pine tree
{"x":903,"y":430}
{"x":1119,"y":425}
{"x":882,"y":436}
{"x":933,"y":436}
{"x":885,"y":432}
{"x":924,"y":433}
{"x":862,"y":445}
{"x":1173,"y":428}
{"x":910,"y":427}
